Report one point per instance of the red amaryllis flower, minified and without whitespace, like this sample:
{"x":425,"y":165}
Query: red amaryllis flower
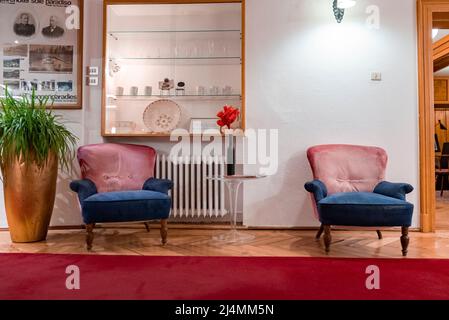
{"x":228,"y":116}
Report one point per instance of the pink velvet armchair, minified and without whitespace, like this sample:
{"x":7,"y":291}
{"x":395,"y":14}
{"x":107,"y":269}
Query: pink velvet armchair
{"x":349,"y":189}
{"x":118,"y":185}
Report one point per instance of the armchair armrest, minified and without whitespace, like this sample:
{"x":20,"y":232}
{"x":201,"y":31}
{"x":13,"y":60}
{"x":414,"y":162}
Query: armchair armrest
{"x":318,"y":189}
{"x":394,"y":190}
{"x":84,"y":188}
{"x":158,"y":185}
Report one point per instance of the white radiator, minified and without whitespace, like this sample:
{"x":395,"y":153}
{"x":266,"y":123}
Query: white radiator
{"x":194,"y":195}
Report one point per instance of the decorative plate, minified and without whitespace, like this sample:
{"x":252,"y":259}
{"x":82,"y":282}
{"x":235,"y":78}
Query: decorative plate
{"x":162,"y":116}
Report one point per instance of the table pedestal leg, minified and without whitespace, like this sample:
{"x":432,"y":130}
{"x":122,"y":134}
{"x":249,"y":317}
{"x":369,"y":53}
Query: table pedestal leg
{"x":234,"y":236}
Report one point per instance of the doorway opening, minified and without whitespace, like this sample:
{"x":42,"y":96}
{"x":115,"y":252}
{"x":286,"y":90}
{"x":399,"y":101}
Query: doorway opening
{"x":433,"y":60}
{"x":440,"y":39}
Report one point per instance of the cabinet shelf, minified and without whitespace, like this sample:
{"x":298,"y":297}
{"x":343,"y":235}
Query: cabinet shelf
{"x":180,"y":60}
{"x":135,"y":32}
{"x":138,"y":134}
{"x":177,"y":58}
{"x":174,"y":97}
{"x":181,"y":35}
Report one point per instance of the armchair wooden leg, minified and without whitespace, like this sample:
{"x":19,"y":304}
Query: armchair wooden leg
{"x":147,"y":226}
{"x":379,"y":234}
{"x":320,"y":232}
{"x":405,"y":241}
{"x":443,"y":177}
{"x":164,"y":231}
{"x":327,"y":238}
{"x":90,"y":235}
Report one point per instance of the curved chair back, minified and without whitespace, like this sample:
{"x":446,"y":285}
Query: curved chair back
{"x":117,"y":167}
{"x":346,"y":168}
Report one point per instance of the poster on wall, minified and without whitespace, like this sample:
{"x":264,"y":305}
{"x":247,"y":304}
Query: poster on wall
{"x":41,"y":50}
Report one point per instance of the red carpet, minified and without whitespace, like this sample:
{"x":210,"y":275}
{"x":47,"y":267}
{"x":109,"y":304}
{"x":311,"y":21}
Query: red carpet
{"x":24,"y":276}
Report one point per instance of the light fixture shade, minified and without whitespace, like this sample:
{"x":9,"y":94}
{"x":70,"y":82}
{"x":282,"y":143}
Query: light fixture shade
{"x":345,"y":4}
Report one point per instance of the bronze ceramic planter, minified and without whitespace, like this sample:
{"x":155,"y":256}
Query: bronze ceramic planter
{"x":29,"y":193}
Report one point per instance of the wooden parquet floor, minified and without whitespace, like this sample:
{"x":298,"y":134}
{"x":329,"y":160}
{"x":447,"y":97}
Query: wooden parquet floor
{"x":191,"y":241}
{"x":198,"y":242}
{"x":442,"y":217}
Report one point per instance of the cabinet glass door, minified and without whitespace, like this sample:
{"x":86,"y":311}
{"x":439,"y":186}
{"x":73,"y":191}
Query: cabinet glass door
{"x":170,"y":65}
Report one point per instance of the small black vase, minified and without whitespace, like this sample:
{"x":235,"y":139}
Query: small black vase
{"x":230,"y":168}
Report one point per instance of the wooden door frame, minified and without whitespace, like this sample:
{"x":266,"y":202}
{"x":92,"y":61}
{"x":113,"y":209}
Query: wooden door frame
{"x":425,"y":10}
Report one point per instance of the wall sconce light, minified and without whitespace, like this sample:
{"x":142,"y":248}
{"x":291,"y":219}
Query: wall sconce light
{"x":339,"y":7}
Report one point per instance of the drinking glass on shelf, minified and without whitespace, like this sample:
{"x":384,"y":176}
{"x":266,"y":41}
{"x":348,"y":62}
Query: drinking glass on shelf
{"x":223,"y":48}
{"x":211,"y":48}
{"x":195,"y":50}
{"x":203,"y":49}
{"x":214,"y":91}
{"x":200,"y":90}
{"x":119,"y":91}
{"x":227,"y":91}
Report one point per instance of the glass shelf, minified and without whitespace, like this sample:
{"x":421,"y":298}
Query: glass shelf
{"x":156,"y":135}
{"x":111,"y":33}
{"x":183,"y":35}
{"x":181,"y":97}
{"x":180,"y":60}
{"x":177,"y":58}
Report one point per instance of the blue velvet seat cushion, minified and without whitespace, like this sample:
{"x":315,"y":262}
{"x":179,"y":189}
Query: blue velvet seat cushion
{"x":126,"y":206}
{"x":362,"y":209}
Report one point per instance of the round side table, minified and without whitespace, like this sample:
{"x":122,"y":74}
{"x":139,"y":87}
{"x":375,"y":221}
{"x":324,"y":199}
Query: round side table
{"x":233,"y":184}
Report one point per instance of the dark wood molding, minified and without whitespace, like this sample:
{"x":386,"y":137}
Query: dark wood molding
{"x":441,"y":20}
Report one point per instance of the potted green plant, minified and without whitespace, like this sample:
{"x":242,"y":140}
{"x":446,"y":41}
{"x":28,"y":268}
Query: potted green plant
{"x":33,"y":143}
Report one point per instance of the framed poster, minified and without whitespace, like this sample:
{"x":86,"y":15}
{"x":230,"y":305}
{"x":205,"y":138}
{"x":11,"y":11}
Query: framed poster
{"x":41,"y":49}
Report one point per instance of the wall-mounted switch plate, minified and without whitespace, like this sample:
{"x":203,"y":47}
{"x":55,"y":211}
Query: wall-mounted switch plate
{"x":92,"y":71}
{"x":376,"y":76}
{"x":92,"y":81}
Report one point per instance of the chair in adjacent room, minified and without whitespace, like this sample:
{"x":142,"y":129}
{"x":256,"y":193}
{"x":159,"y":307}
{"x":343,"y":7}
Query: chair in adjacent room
{"x":118,"y":186}
{"x":349,"y":191}
{"x":442,"y":169}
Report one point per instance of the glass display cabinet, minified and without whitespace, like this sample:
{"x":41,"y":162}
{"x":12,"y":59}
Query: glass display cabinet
{"x":170,"y":66}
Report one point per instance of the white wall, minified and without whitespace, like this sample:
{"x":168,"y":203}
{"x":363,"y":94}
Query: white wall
{"x":310,"y":78}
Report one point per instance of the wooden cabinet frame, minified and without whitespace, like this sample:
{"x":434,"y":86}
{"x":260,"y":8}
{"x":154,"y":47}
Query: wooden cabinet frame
{"x":140,"y":2}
